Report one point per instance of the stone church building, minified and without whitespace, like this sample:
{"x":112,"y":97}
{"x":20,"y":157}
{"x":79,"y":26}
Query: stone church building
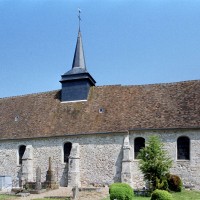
{"x":94,"y":133}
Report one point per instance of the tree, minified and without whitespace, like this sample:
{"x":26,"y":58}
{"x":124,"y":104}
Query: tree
{"x":154,"y":162}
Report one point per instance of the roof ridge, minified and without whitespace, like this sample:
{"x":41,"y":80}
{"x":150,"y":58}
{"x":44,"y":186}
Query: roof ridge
{"x":101,"y":86}
{"x":31,"y":94}
{"x":150,"y":84}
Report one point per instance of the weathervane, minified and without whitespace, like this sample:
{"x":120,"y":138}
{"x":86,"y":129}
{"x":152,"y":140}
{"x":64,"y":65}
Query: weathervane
{"x":79,"y":17}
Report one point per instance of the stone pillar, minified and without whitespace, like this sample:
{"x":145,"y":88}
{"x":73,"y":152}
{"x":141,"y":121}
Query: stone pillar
{"x":27,"y":164}
{"x":126,"y":175}
{"x":73,"y":169}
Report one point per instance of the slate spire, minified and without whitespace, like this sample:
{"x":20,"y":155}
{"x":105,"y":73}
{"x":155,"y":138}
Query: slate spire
{"x":79,"y":59}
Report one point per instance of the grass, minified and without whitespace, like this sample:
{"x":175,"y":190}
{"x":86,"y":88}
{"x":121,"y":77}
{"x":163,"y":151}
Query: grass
{"x":7,"y":197}
{"x":184,"y":195}
{"x":50,"y":199}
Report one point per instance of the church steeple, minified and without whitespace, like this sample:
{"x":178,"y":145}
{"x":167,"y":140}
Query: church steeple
{"x":79,"y":59}
{"x":76,"y":82}
{"x":78,"y":64}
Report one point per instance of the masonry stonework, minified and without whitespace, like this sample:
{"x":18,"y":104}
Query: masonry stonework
{"x":186,"y":169}
{"x":101,"y":157}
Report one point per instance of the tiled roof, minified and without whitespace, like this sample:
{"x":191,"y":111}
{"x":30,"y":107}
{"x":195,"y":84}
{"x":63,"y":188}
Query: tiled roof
{"x":175,"y":105}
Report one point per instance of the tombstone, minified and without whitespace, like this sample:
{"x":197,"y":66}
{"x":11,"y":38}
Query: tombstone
{"x":38,"y":185}
{"x":50,"y":178}
{"x":5,"y":183}
{"x":75,"y":192}
{"x":50,"y":173}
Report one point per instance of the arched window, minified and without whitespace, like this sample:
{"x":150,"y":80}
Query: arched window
{"x":22,"y":149}
{"x":67,"y":149}
{"x":139,"y":143}
{"x":183,"y":148}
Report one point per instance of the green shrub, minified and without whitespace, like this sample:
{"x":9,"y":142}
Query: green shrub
{"x":120,"y":191}
{"x":161,"y":195}
{"x":174,"y":183}
{"x":154,"y":162}
{"x":162,"y":184}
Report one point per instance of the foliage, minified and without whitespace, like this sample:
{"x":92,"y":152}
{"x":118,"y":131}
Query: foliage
{"x":154,"y":162}
{"x":161,"y":195}
{"x":162,"y":184}
{"x":120,"y":191}
{"x":174,"y":183}
{"x":184,"y":195}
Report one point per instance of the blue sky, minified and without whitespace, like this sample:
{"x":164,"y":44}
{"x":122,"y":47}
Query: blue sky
{"x":126,"y":42}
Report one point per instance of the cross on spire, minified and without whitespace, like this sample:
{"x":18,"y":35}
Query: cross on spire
{"x":79,"y":17}
{"x":79,"y":59}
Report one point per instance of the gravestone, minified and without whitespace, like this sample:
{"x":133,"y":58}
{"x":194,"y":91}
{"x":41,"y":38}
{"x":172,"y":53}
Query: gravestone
{"x":50,"y":178}
{"x":75,"y":192}
{"x":5,"y":183}
{"x":38,"y":185}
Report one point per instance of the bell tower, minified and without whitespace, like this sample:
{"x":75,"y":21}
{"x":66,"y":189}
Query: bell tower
{"x":76,"y":82}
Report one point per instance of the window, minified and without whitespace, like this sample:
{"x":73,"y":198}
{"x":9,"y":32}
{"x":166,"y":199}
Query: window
{"x":22,"y":149}
{"x":183,"y":148}
{"x":67,"y":150}
{"x":139,"y":143}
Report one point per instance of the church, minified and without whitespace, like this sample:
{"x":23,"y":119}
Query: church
{"x":93,"y":133}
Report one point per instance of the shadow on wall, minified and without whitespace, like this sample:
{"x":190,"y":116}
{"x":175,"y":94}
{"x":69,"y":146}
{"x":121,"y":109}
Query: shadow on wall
{"x":64,"y":178}
{"x":118,"y":167}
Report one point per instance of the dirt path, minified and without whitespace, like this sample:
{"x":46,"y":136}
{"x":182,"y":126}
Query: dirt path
{"x":64,"y":191}
{"x":97,"y":195}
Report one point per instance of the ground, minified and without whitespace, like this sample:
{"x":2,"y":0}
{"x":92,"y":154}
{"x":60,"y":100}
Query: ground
{"x":100,"y":194}
{"x":64,"y":191}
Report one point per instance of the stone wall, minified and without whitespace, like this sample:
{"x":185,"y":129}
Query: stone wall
{"x":186,"y":169}
{"x":100,"y":157}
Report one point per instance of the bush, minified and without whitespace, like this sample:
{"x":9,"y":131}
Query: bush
{"x":120,"y":191}
{"x":174,"y":183}
{"x":154,"y":162}
{"x":162,"y":184}
{"x":161,"y":195}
